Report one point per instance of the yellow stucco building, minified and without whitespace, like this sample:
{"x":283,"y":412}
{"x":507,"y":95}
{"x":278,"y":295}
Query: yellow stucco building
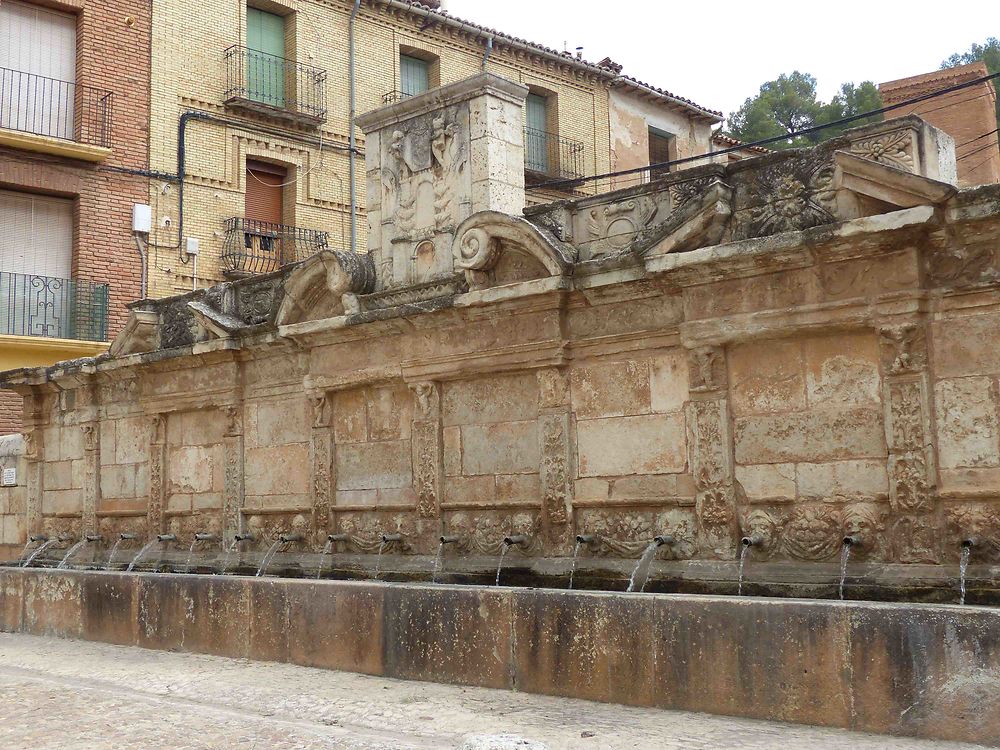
{"x":252,"y":103}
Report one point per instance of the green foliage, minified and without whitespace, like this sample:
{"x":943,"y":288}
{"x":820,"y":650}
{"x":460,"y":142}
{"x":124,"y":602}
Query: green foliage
{"x":987,"y":52}
{"x":788,"y":105}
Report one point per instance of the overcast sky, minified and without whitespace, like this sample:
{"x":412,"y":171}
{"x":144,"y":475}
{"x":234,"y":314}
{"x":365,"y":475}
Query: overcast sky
{"x":718,"y":53}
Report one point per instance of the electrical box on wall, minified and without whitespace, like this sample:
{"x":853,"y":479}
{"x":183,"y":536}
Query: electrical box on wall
{"x":192,"y":246}
{"x":142,"y":218}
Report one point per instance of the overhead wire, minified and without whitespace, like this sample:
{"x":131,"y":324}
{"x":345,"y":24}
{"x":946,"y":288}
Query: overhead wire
{"x":774,"y":139}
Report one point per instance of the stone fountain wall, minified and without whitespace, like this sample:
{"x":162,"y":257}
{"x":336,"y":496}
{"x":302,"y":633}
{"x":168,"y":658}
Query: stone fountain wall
{"x":799,"y":346}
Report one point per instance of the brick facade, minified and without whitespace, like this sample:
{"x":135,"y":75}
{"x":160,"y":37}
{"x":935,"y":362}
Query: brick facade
{"x":968,"y":116}
{"x":113,"y":43}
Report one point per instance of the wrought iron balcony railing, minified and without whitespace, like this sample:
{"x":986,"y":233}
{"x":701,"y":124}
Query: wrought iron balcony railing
{"x":57,"y":109}
{"x":261,"y":247}
{"x":391,"y":97}
{"x":272,"y":85}
{"x":33,"y":305}
{"x":550,"y":155}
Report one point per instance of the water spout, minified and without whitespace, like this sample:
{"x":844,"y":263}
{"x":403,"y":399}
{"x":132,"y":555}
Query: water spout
{"x":389,"y":538}
{"x":640,"y":574}
{"x":290,"y":538}
{"x":338,"y":538}
{"x":581,"y":540}
{"x":163,"y":538}
{"x":38,"y":538}
{"x":268,"y":556}
{"x":141,"y":554}
{"x":852,"y":540}
{"x":327,"y":549}
{"x":516,"y":540}
{"x":123,"y":537}
{"x":754,"y":540}
{"x":38,"y":551}
{"x":88,"y":539}
{"x":204,"y":536}
{"x":439,"y":559}
{"x":963,"y":565}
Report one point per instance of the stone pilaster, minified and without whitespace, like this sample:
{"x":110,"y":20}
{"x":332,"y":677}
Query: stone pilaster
{"x":91,"y":475}
{"x":321,"y":455}
{"x":33,"y":467}
{"x":157,"y":470}
{"x":233,"y":495}
{"x":906,"y":393}
{"x":710,"y":449}
{"x":555,"y":449}
{"x":426,"y":444}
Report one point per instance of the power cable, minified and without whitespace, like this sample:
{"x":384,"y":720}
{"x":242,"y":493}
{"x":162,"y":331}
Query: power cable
{"x":775,"y":139}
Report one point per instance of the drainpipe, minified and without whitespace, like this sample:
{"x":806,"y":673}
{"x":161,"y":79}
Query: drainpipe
{"x":489,"y":50}
{"x":181,"y":130}
{"x":350,"y":125}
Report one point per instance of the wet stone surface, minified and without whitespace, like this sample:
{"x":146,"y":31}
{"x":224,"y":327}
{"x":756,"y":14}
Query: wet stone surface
{"x":70,"y":694}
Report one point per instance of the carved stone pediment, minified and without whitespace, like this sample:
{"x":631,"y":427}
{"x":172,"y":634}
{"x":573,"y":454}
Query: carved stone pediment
{"x":140,"y":334}
{"x":887,"y":182}
{"x":494,"y":249}
{"x":697,"y":222}
{"x":315,"y":289}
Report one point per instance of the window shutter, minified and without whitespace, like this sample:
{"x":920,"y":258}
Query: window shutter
{"x":661,"y":147}
{"x":264,"y":192}
{"x":37,"y":236}
{"x":414,"y":75}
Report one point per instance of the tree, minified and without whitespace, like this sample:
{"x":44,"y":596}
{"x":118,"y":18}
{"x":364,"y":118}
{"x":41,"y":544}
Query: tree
{"x":988,"y":52}
{"x":788,"y":105}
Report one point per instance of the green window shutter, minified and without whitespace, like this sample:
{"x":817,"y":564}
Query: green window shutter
{"x":536,"y":139}
{"x":414,"y":75}
{"x":265,"y":57}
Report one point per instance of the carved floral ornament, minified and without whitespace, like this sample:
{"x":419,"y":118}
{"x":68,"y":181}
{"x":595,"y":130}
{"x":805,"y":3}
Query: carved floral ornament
{"x":815,"y":532}
{"x":894,"y":148}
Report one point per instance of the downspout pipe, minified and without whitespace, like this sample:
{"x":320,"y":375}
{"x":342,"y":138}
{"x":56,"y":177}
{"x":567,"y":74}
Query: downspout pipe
{"x":489,"y":51}
{"x":181,"y":131}
{"x":352,"y":151}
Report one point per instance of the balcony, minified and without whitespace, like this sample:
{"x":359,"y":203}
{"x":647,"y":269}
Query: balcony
{"x":57,"y":117}
{"x":32,"y":305}
{"x":260,"y":83}
{"x":254,"y":247}
{"x":550,"y":156}
{"x":395,"y":96}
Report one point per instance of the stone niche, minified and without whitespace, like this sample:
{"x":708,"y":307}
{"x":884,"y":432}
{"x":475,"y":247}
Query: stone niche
{"x":795,"y":348}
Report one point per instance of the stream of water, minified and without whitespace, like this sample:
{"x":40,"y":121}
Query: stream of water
{"x":963,"y":566}
{"x":503,"y":553}
{"x":744,"y":554}
{"x":69,"y":554}
{"x":845,"y":554}
{"x":642,"y":567}
{"x":437,"y":563}
{"x":572,"y":569}
{"x":378,"y":559}
{"x":141,"y":554}
{"x":271,"y":552}
{"x":322,"y":557}
{"x":38,"y":550}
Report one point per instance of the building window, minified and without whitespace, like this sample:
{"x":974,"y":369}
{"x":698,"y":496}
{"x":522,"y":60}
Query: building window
{"x":36,"y":261}
{"x":662,"y":148}
{"x":265,"y":57}
{"x":536,"y":136}
{"x":37,"y":70}
{"x":264,"y":211}
{"x":414,"y":75}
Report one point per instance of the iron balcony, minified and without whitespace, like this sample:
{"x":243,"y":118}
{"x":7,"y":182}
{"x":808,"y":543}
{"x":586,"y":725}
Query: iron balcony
{"x":274,"y":86}
{"x":551,"y":156}
{"x":33,"y":305}
{"x":254,"y":247}
{"x":48,"y":107}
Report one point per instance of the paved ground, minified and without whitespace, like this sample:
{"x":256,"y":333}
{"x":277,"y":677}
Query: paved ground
{"x":72,"y":694}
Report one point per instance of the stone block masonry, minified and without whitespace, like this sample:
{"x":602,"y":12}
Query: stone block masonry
{"x":897,"y":669}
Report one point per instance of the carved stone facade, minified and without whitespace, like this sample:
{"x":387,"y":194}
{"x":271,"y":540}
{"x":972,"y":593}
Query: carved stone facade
{"x":789,"y":347}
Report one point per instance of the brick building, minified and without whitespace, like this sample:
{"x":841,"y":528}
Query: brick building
{"x":74,"y":119}
{"x":968,"y":116}
{"x":264,"y":87}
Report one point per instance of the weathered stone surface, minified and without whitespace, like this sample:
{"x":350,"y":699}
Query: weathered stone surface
{"x":503,"y":448}
{"x":969,"y":431}
{"x":653,"y":444}
{"x":809,"y":436}
{"x":374,"y":465}
{"x":912,"y":670}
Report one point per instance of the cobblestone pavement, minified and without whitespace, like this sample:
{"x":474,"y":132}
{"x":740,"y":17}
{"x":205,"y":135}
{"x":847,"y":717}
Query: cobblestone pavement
{"x":74,"y":694}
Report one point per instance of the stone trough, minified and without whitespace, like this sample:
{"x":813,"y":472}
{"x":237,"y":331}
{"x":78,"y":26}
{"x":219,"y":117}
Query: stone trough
{"x":929,"y":671}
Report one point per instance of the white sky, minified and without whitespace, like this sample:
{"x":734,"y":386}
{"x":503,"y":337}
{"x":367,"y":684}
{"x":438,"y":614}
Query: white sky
{"x":718,"y":53}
